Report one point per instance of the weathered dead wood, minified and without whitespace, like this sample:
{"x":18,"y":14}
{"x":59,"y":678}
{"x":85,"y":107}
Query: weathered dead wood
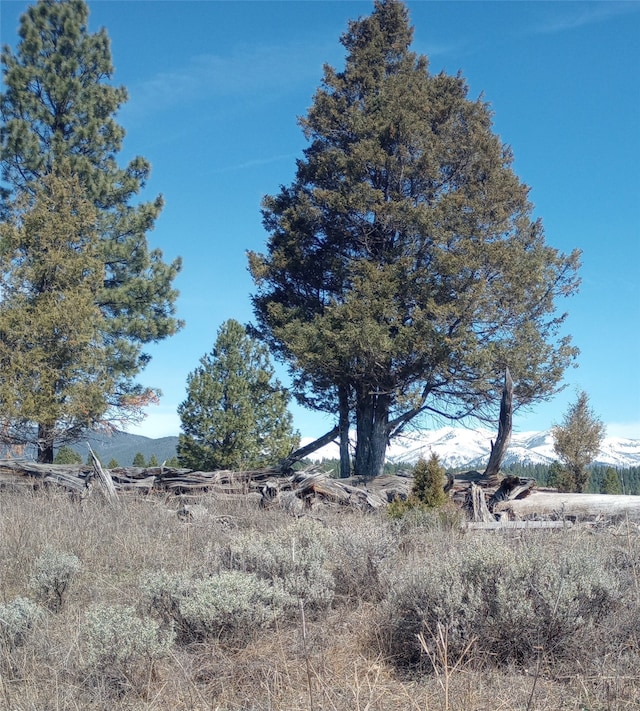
{"x":104,"y":477}
{"x":506,"y":525}
{"x":314,"y":485}
{"x":23,"y":473}
{"x":308,"y":449}
{"x":511,"y":487}
{"x":477,"y":504}
{"x":505,"y":423}
{"x":559,"y":506}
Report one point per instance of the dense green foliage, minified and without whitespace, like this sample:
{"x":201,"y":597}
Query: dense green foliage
{"x":54,"y":361}
{"x":611,"y":483}
{"x":58,"y":109}
{"x":577,"y":441}
{"x":235,"y":415}
{"x":427,"y":490}
{"x":404,"y":270}
{"x":428,"y":482}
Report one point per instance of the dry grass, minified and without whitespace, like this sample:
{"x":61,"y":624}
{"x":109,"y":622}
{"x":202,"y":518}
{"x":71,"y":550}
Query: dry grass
{"x":309,"y":659}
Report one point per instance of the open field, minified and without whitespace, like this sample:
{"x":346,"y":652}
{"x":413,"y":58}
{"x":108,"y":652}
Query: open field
{"x":128,"y":607}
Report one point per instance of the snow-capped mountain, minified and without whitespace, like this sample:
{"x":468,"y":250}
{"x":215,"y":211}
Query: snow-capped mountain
{"x":460,"y":447}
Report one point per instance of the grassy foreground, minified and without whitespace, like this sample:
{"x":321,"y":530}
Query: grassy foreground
{"x":128,"y":607}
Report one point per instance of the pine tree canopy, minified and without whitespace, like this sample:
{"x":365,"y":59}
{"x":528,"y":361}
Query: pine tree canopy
{"x":404,"y":269}
{"x":58,"y":110}
{"x":235,"y":415}
{"x":54,"y":361}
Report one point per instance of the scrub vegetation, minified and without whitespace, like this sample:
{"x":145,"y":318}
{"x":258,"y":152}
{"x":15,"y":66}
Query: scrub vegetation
{"x":128,"y":607}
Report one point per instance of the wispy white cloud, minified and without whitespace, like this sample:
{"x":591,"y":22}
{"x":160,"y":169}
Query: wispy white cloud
{"x":570,"y":16}
{"x":257,"y":71}
{"x":441,"y":49}
{"x":254,"y":163}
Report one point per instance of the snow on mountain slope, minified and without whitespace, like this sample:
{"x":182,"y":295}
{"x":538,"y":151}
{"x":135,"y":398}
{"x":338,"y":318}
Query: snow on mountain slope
{"x":460,"y":447}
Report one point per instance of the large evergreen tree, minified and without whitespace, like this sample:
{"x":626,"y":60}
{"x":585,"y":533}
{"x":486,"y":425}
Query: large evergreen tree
{"x":58,"y":107}
{"x":403,"y":270}
{"x":235,"y":415}
{"x":55,"y":379}
{"x":577,"y":441}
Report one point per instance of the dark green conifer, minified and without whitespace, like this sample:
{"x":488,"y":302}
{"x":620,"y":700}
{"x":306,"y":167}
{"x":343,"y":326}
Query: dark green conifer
{"x":57,"y":109}
{"x":55,"y":380}
{"x":66,"y":455}
{"x":235,"y":415}
{"x":577,"y":441}
{"x":404,"y":270}
{"x":611,"y":483}
{"x":428,"y":482}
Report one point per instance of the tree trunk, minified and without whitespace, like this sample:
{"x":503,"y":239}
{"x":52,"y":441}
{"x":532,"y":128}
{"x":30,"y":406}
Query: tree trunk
{"x":45,"y":444}
{"x":345,"y":459}
{"x":372,"y":422}
{"x":504,"y":429}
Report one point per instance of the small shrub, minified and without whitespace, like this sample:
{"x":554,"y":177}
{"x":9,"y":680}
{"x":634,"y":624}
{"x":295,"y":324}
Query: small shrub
{"x":51,"y":576}
{"x":227,"y":605}
{"x":121,"y":648}
{"x":510,"y":603}
{"x":427,"y":491}
{"x":428,"y":482}
{"x":230,"y":605}
{"x":360,"y":562}
{"x":297,"y":557}
{"x":399,"y":508}
{"x":163,"y":591}
{"x":17,"y":620}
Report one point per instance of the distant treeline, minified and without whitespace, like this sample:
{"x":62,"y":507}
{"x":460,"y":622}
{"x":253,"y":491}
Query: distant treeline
{"x":628,"y":477}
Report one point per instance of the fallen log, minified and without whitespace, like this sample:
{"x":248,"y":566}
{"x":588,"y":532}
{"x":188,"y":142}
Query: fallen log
{"x":518,"y":525}
{"x":577,"y":507}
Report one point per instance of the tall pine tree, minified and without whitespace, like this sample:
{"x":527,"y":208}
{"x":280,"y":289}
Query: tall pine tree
{"x":404,"y":270}
{"x":235,"y":415}
{"x":59,"y":107}
{"x":55,"y":380}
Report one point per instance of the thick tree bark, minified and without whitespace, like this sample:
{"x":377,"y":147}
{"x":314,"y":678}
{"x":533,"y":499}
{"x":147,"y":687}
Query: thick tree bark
{"x":499,"y":449}
{"x":45,"y":444}
{"x":372,"y":427}
{"x":345,"y":459}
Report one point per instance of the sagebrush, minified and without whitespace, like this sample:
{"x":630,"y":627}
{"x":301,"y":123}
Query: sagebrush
{"x":160,"y":614}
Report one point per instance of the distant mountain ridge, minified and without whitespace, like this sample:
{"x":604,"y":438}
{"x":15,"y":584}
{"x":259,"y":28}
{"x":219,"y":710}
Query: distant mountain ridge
{"x":123,"y":447}
{"x":459,"y":447}
{"x":456,"y":447}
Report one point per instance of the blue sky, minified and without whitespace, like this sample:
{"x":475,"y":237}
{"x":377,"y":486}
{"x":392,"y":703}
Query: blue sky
{"x":214,"y":92}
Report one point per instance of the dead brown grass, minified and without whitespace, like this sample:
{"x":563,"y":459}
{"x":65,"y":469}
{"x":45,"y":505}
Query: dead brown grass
{"x":334,"y":663}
